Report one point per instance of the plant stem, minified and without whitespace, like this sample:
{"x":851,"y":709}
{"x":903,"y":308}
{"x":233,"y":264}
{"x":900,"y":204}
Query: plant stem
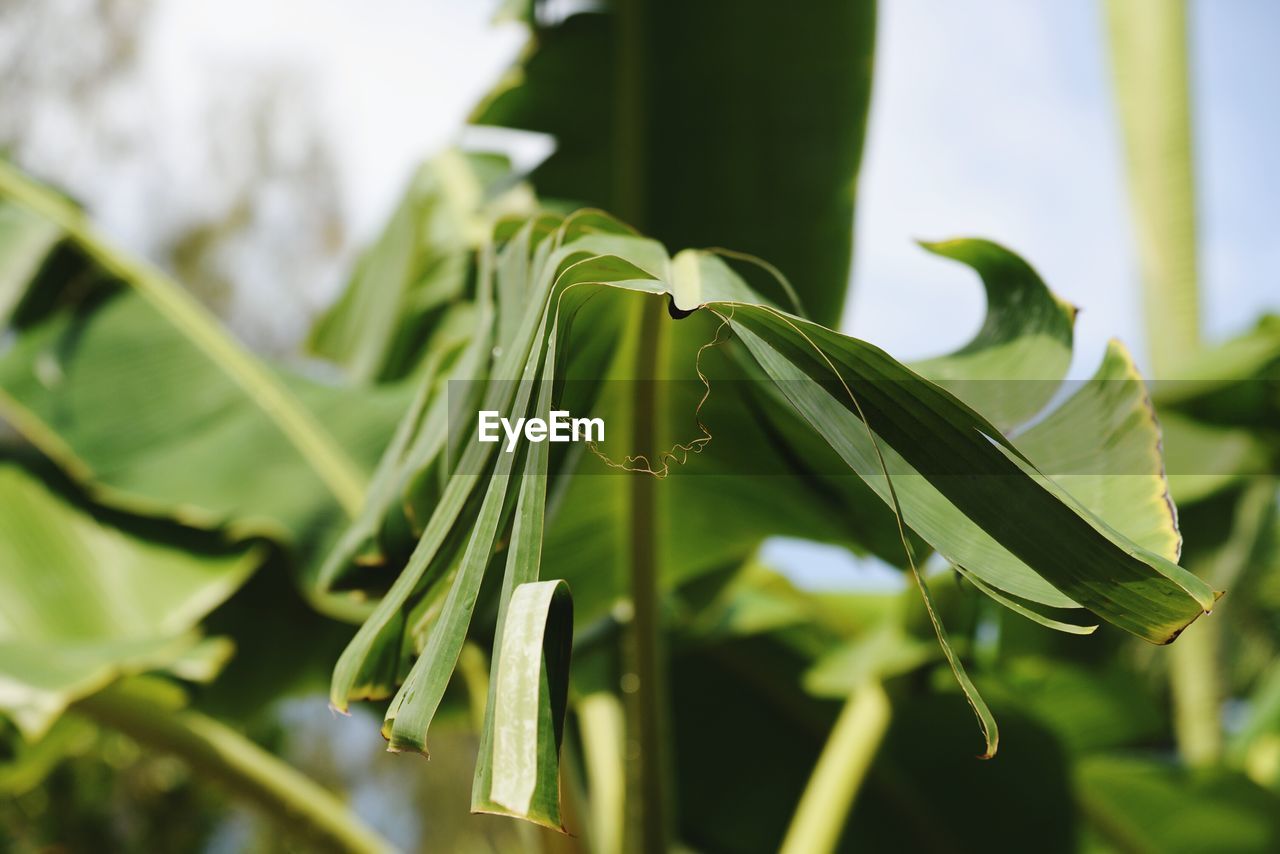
{"x":219,"y":753}
{"x":327,"y":458}
{"x":647,"y":812}
{"x":1149,"y":55}
{"x":601,"y":721}
{"x":1149,"y":58}
{"x":1193,"y":681}
{"x":820,"y":816}
{"x":647,"y":809}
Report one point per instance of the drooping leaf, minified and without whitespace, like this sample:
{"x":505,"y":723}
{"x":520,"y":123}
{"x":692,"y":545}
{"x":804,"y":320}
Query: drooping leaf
{"x":962,"y":485}
{"x":518,"y":774}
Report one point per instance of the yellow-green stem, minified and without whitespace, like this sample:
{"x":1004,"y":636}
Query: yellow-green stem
{"x":1149,"y":58}
{"x":602,"y":724}
{"x":1193,"y":668}
{"x":644,"y":688}
{"x":832,"y":788}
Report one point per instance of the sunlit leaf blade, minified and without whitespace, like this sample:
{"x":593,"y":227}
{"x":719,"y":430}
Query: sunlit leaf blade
{"x":519,"y":772}
{"x":1011,"y":368}
{"x":1103,"y":445}
{"x":1026,"y":610}
{"x":87,"y":596}
{"x":967,"y":461}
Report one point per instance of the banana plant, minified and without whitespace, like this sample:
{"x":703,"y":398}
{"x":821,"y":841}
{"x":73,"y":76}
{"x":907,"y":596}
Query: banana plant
{"x":950,"y":475}
{"x":711,"y":367}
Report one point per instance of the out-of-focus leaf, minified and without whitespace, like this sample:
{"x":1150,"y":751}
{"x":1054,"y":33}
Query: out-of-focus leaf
{"x":1204,"y":459}
{"x":124,"y":382}
{"x":24,"y":764}
{"x":1138,"y":804}
{"x":1232,"y":363}
{"x":1091,"y":708}
{"x":925,"y":793}
{"x":419,"y":266}
{"x":26,"y":240}
{"x":885,"y":651}
{"x":87,"y":596}
{"x":124,"y":402}
{"x":97,"y":264}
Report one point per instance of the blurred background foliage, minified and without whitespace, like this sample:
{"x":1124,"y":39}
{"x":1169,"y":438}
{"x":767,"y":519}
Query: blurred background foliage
{"x":744,"y":128}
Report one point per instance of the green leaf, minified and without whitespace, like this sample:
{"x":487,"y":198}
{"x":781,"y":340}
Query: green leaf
{"x":1204,"y":459}
{"x":1012,"y":368}
{"x":518,"y":771}
{"x":26,"y":240}
{"x":123,"y":380}
{"x":671,"y":157}
{"x":1145,"y":805}
{"x":965,"y":459}
{"x":419,"y":266}
{"x":27,"y":763}
{"x":123,"y":401}
{"x":87,"y":596}
{"x":959,"y":482}
{"x":186,"y":317}
{"x":1103,"y":445}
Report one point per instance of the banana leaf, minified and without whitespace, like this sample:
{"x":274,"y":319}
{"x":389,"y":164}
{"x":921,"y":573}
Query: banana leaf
{"x":89,"y":595}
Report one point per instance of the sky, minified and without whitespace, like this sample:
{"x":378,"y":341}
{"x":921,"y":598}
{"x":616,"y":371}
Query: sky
{"x":995,"y":119}
{"x":989,"y":118}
